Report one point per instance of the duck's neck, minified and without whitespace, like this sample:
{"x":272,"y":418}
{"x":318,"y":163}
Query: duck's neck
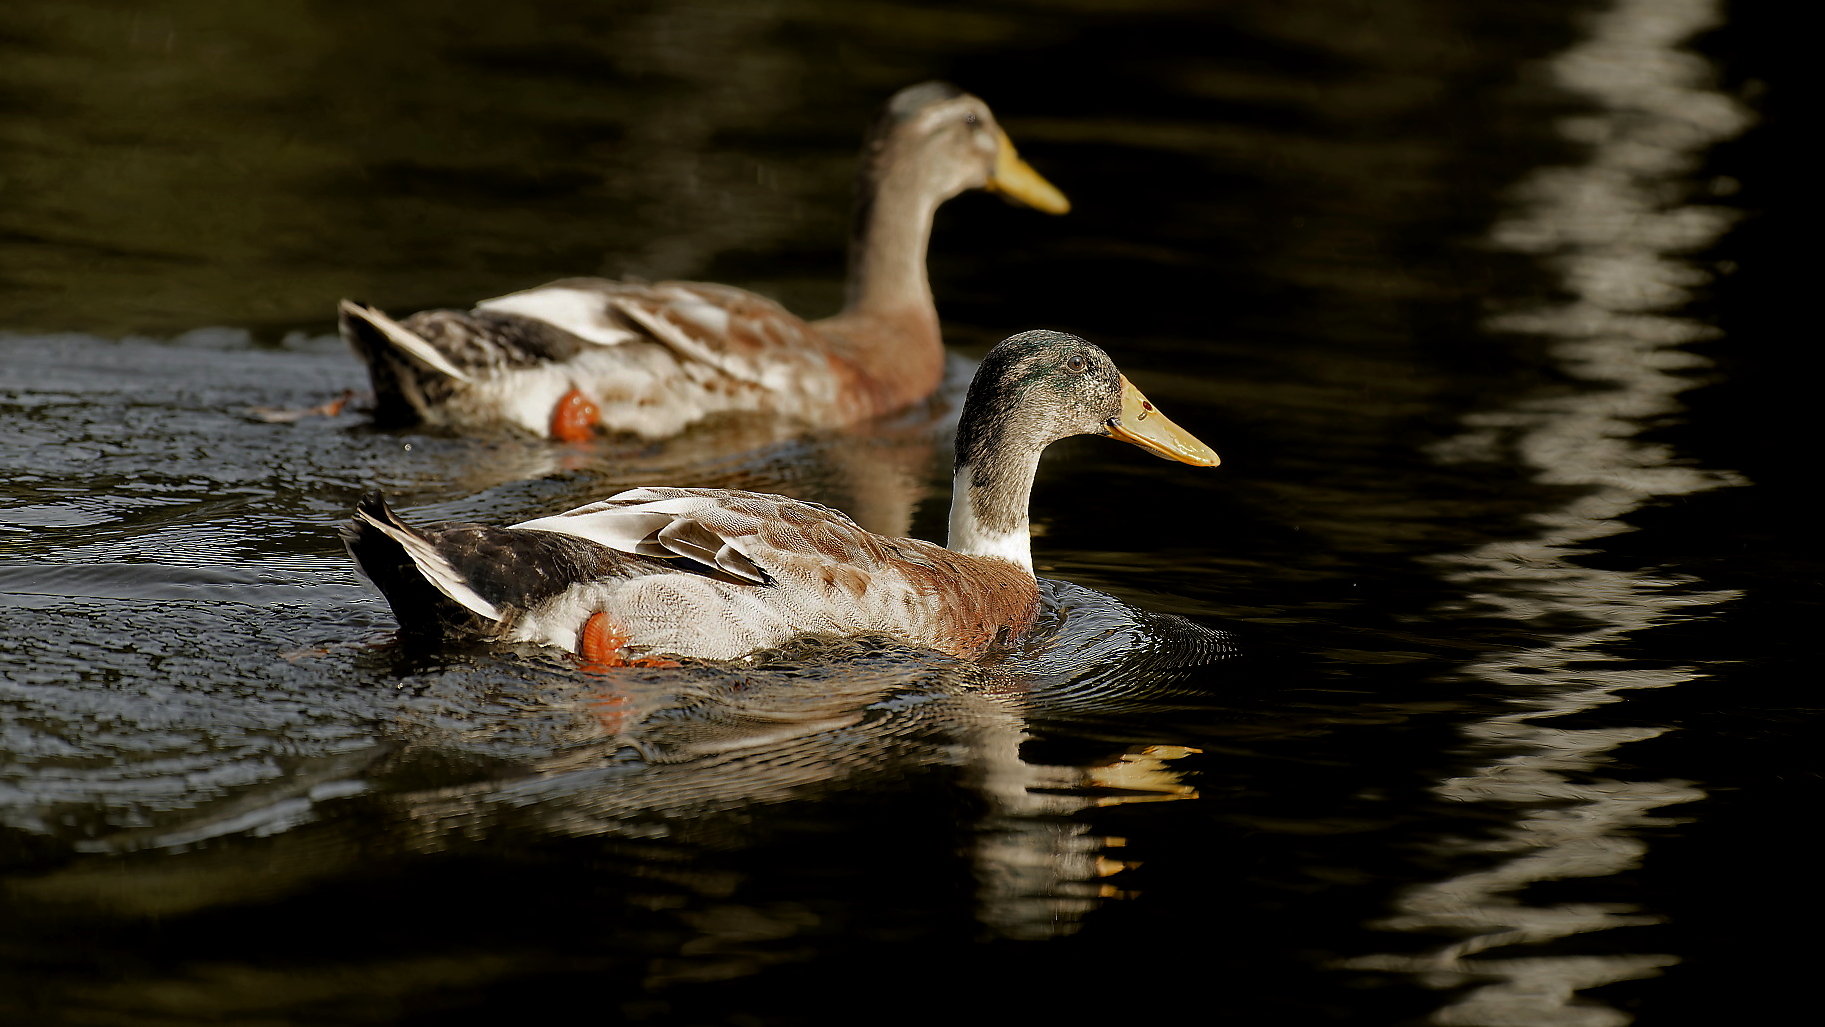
{"x":991,"y":491}
{"x":889,"y":325}
{"x":893,"y":223}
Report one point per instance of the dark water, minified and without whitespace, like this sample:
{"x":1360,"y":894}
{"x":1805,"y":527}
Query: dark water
{"x":1484,"y":305}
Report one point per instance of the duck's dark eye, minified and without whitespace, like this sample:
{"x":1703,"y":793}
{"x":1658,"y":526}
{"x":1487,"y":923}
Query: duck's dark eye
{"x":1076,"y":364}
{"x":969,"y":118}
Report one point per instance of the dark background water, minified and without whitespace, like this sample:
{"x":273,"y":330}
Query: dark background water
{"x":1489,"y":309}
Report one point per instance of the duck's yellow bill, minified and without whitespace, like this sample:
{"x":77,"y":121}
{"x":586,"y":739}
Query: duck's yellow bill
{"x":1142,"y":424}
{"x":1017,"y":180}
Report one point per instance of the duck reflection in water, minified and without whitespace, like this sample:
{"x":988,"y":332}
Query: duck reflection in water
{"x":667,"y":753}
{"x":489,"y":744}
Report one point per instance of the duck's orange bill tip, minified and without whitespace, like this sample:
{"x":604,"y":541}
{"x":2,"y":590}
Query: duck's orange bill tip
{"x":1016,"y":179}
{"x":1142,"y":424}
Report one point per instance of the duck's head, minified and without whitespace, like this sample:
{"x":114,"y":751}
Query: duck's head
{"x":1038,"y":387}
{"x":1032,"y":390}
{"x":949,"y":140}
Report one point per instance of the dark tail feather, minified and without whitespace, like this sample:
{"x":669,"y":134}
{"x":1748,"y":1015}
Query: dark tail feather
{"x":463,"y":580}
{"x":399,"y":389}
{"x":422,"y":609}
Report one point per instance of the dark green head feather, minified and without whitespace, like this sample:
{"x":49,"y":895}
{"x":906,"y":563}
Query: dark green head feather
{"x":1032,"y":390}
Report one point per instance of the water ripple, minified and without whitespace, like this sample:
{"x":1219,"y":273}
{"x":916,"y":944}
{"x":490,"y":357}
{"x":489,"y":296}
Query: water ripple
{"x":1605,"y":227}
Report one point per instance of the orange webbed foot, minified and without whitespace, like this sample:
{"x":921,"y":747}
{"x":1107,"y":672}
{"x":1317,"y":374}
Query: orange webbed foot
{"x":278,"y":415}
{"x":574,"y":418}
{"x":334,"y":406}
{"x":603,"y":646}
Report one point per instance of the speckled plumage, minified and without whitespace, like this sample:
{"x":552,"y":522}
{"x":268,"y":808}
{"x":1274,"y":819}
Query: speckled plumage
{"x":640,"y":557}
{"x":652,"y":358}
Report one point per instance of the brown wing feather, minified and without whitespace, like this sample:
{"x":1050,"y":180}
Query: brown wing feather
{"x":752,"y":339}
{"x":968,"y":600}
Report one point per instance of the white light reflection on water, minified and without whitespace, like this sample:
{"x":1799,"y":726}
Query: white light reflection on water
{"x":1612,"y":227}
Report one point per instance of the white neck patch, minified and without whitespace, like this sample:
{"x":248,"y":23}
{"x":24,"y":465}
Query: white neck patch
{"x":968,"y":537}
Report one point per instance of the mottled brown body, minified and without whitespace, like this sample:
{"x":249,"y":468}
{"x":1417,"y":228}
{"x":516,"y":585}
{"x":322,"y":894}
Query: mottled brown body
{"x":764,"y":568}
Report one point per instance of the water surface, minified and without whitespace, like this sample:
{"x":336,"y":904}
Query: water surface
{"x":1466,"y":691}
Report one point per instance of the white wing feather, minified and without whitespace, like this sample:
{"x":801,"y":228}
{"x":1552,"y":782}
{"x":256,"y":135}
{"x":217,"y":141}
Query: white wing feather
{"x":402,"y":337}
{"x":581,"y":312}
{"x":667,"y":527}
